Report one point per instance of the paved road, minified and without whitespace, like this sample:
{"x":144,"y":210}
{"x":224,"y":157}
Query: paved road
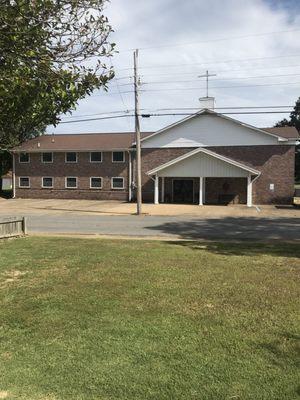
{"x":177,"y":227}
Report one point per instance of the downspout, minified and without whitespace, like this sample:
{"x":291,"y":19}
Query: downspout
{"x":129,"y":177}
{"x":14,"y":176}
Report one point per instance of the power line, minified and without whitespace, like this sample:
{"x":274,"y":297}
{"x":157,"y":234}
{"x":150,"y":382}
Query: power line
{"x":218,"y":79}
{"x":211,"y":62}
{"x":217,"y":71}
{"x":222,"y":87}
{"x":214,"y":40}
{"x":181,"y":108}
{"x":146,"y":115}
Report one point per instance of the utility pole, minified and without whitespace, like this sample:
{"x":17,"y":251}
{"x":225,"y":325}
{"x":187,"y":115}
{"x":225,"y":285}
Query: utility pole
{"x":137,"y":137}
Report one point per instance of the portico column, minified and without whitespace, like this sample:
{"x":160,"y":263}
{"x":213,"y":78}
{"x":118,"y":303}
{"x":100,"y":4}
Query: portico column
{"x":249,"y":191}
{"x":201,"y":191}
{"x":163,"y":189}
{"x":156,"y":190}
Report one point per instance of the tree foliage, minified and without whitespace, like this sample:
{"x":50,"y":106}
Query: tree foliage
{"x":294,"y":120}
{"x":52,"y":53}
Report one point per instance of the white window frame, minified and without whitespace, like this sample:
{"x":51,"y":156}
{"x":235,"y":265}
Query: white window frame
{"x":66,"y":180}
{"x":46,"y":162}
{"x":118,"y":188}
{"x":97,"y":177}
{"x":117,"y":162}
{"x":96,"y":162}
{"x":71,"y":162}
{"x":24,"y":162}
{"x":24,"y":187}
{"x":47,"y":177}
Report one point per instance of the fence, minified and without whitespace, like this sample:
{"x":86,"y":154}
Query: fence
{"x":10,"y":227}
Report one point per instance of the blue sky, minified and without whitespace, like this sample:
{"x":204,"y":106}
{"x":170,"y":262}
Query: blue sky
{"x":252,"y":45}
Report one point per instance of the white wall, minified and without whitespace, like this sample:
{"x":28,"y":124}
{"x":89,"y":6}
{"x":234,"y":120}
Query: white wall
{"x":209,"y":130}
{"x":201,"y":164}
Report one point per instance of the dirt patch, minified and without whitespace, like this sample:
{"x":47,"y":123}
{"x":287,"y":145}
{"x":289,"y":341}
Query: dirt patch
{"x":3,"y":394}
{"x":13,"y":276}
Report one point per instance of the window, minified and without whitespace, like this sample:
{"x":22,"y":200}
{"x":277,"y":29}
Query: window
{"x":71,"y":182}
{"x":118,"y":156}
{"x":117,"y":183}
{"x":24,"y":158}
{"x":71,"y":157}
{"x":47,"y":157}
{"x":96,"y":183}
{"x":47,"y":182}
{"x":24,"y":182}
{"x":96,"y":156}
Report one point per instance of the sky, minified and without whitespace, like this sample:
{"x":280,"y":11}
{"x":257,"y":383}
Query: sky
{"x":253,"y":47}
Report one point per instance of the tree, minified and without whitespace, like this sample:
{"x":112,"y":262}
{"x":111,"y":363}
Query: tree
{"x":51,"y":56}
{"x":294,"y":120}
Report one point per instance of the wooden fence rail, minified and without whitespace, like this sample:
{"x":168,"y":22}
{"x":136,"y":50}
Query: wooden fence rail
{"x":10,"y":227}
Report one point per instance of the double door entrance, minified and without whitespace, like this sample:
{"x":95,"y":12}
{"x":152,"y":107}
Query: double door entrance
{"x":183,"y":191}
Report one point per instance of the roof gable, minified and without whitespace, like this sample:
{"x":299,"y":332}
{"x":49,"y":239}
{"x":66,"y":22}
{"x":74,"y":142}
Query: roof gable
{"x":208,"y":128}
{"x":209,"y":161}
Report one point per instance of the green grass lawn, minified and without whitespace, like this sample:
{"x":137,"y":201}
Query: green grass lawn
{"x":111,"y":319}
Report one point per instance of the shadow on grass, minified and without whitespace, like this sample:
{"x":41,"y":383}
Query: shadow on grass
{"x":283,"y":351}
{"x":231,"y":228}
{"x":244,"y":248}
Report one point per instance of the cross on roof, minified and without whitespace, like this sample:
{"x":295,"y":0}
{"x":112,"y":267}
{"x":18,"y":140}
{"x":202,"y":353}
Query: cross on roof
{"x":206,"y":75}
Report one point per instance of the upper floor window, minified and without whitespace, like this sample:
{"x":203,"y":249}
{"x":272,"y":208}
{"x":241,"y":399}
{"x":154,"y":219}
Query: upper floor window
{"x":71,"y":157}
{"x":24,"y":158}
{"x":95,"y":156}
{"x":118,"y":156}
{"x":24,"y":182}
{"x":47,"y":157}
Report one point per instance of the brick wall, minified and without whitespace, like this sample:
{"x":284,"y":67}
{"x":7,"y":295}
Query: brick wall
{"x":83,"y":170}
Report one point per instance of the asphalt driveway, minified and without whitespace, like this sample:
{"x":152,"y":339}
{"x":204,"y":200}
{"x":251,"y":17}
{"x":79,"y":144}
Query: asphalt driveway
{"x":183,"y":222}
{"x":227,"y":228}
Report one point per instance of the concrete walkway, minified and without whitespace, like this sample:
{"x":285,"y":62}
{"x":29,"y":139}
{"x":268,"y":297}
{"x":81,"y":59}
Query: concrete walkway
{"x":96,"y":207}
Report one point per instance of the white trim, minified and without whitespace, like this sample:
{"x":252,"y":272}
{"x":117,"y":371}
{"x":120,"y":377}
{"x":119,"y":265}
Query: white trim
{"x":66,"y":180}
{"x":118,"y":188}
{"x":71,"y":162}
{"x":96,"y":177}
{"x":24,"y":162}
{"x":117,"y":162}
{"x":14,"y":176}
{"x":162,"y":189}
{"x":24,"y":177}
{"x":206,"y":151}
{"x":96,"y":162}
{"x":201,"y":191}
{"x":249,"y":191}
{"x":46,"y":152}
{"x":129,"y":176}
{"x":47,"y":177}
{"x":206,"y":111}
{"x":156,"y":190}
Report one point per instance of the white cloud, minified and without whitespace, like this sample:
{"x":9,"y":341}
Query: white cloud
{"x":165,"y":22}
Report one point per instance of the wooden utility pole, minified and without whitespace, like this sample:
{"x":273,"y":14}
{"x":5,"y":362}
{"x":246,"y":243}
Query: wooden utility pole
{"x":137,"y":137}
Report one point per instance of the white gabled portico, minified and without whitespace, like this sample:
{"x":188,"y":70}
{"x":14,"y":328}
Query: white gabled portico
{"x":202,"y":163}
